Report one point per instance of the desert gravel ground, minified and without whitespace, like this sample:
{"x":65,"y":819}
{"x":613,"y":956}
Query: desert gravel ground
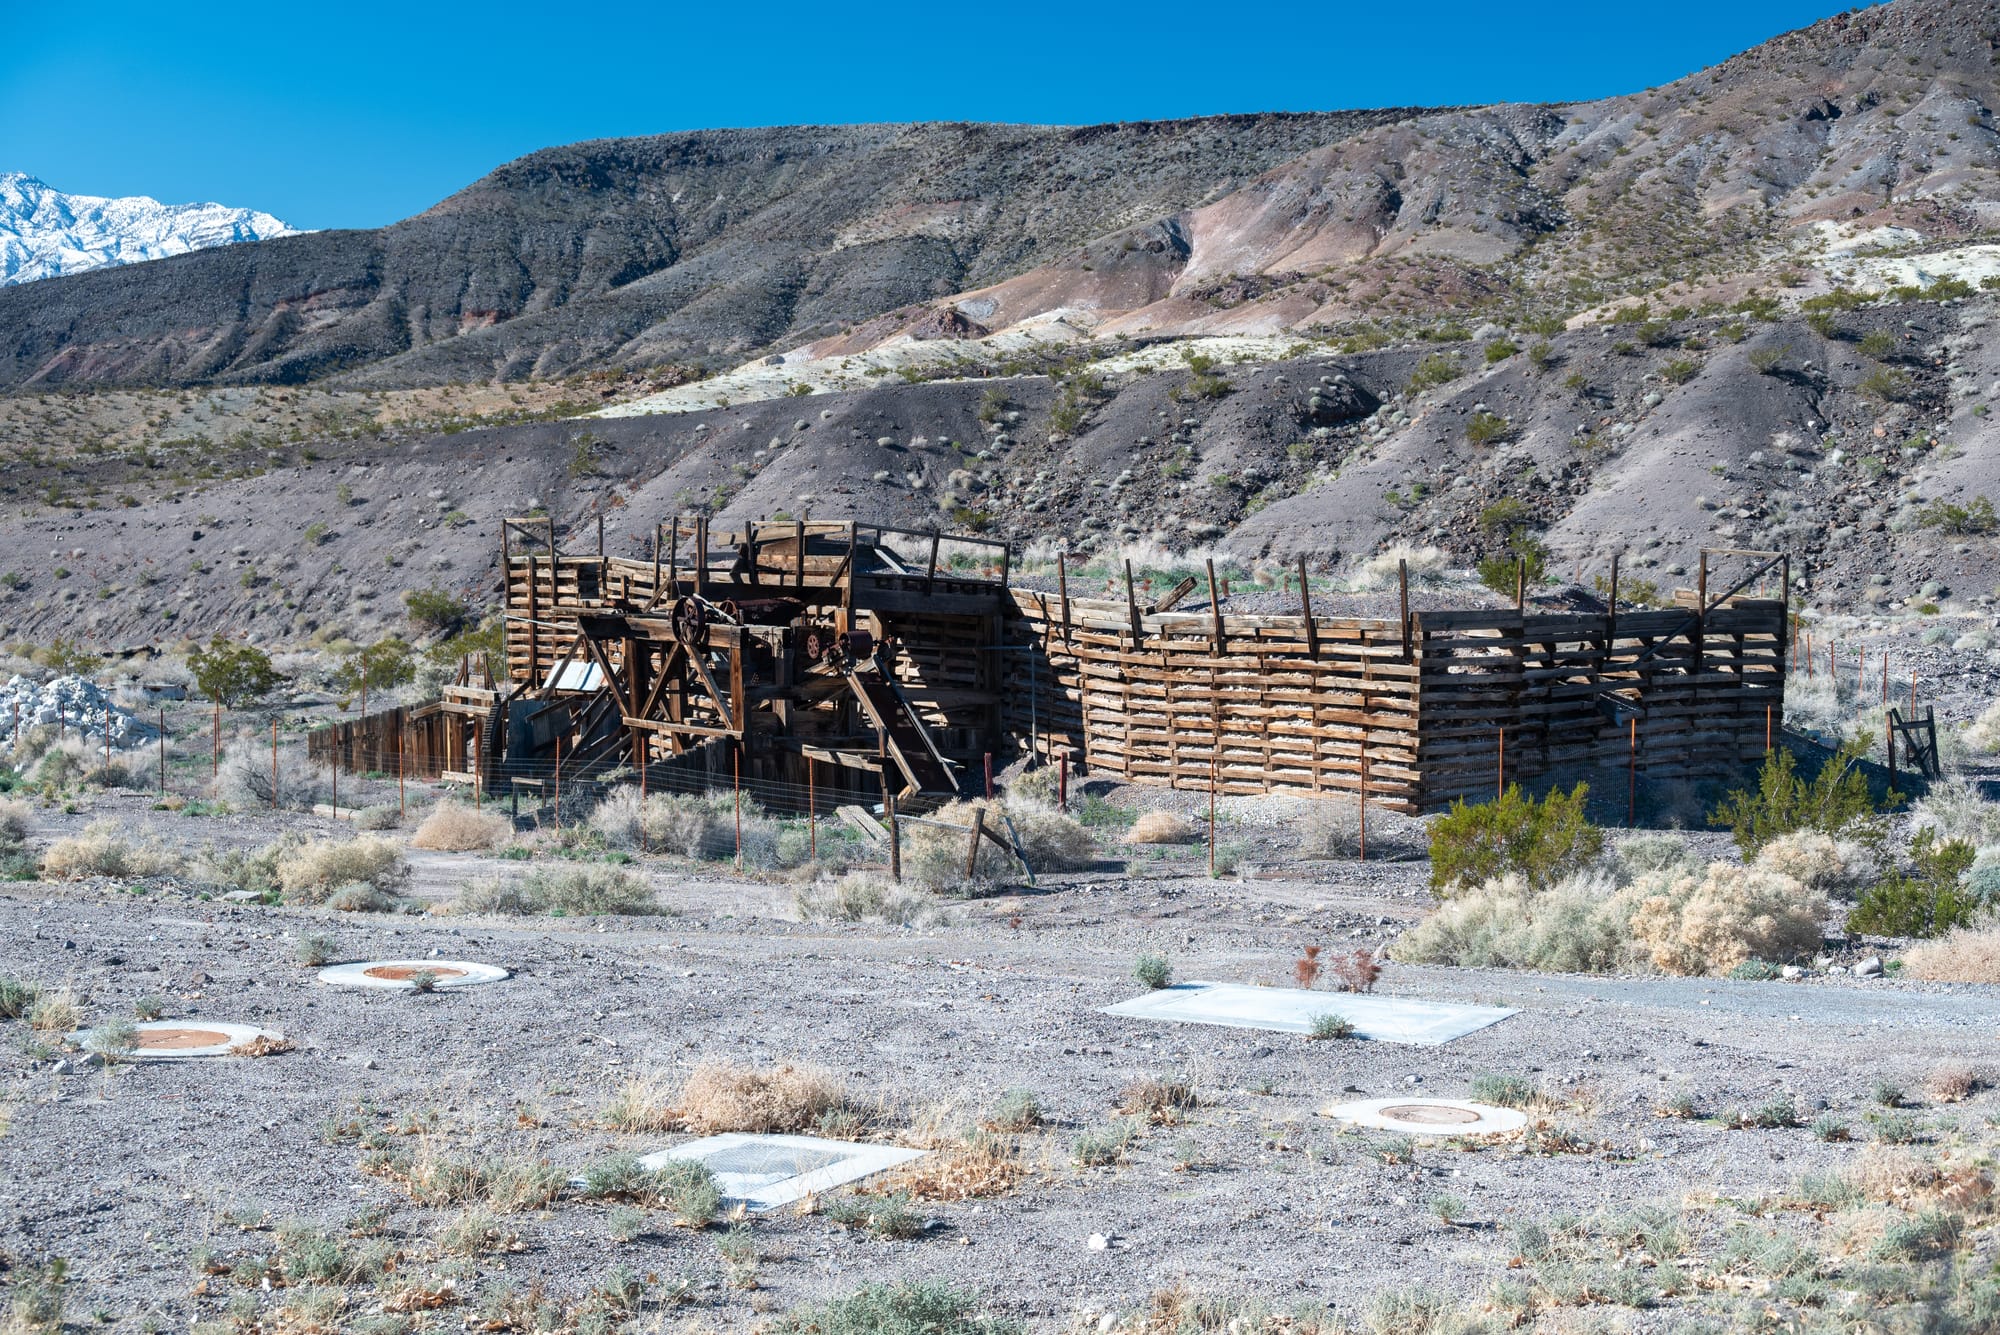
{"x":1253,"y":1194}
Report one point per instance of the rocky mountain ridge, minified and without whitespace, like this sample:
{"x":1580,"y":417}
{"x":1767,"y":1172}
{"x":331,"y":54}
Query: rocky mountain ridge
{"x":45,"y":233}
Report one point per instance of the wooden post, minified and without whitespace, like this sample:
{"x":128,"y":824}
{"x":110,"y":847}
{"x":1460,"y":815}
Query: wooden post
{"x":1913,"y":694}
{"x":1889,"y":739}
{"x":1785,"y":601}
{"x":1403,"y":593}
{"x":700,"y":554}
{"x":1306,"y":611}
{"x":1062,"y":783}
{"x":1062,"y":591}
{"x":1632,"y":776}
{"x":847,"y":587}
{"x":1520,"y":583}
{"x":1364,"y":796}
{"x":600,"y":538}
{"x":972,"y":849}
{"x":1214,"y":608}
{"x":989,"y":776}
{"x":930,"y":572}
{"x":895,"y":839}
{"x":1132,"y":606}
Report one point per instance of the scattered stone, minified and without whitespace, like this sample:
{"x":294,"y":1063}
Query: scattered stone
{"x":1869,"y":968}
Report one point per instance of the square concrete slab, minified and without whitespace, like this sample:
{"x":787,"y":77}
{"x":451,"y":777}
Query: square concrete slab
{"x":765,"y":1172}
{"x":1289,"y":1010}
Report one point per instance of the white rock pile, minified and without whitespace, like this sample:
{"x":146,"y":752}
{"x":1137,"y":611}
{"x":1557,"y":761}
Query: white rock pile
{"x":81,"y":705}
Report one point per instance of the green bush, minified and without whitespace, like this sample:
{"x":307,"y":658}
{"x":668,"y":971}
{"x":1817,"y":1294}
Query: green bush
{"x":434,"y":610}
{"x":1484,"y":428}
{"x":1927,"y":902}
{"x":1434,"y":370}
{"x":1977,"y":517}
{"x":1877,"y":344}
{"x":1153,"y":971}
{"x":1836,"y":802}
{"x":231,"y":673}
{"x":1540,"y":841}
{"x":1499,"y":350}
{"x":1525,"y":561}
{"x":921,"y":1307}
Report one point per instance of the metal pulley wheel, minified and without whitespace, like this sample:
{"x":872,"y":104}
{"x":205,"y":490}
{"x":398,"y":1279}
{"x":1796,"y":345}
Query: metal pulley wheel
{"x":690,"y":620}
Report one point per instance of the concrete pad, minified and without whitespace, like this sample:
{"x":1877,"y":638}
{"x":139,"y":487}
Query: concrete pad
{"x":1290,"y":1010}
{"x":765,"y":1172}
{"x":179,"y":1040}
{"x":1429,"y":1117}
{"x":396,"y":974}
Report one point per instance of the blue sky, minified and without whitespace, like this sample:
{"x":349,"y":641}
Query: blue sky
{"x":362,"y":119}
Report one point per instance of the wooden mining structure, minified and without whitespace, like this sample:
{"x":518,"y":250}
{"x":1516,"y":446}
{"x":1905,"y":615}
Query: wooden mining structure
{"x":849,"y":658}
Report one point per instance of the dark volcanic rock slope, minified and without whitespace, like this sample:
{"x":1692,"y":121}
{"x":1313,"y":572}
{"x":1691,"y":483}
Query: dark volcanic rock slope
{"x":694,"y":246}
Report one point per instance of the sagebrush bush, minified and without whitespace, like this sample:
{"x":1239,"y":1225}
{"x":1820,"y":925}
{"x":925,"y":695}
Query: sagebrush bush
{"x":865,"y":896}
{"x":381,"y":816}
{"x":693,"y":825}
{"x":457,"y":828}
{"x":1983,"y":733}
{"x":1426,"y":566}
{"x":1540,"y":841}
{"x":1817,"y":861}
{"x":103,"y":850}
{"x":309,"y":872}
{"x":1049,"y":840}
{"x":1637,"y":854}
{"x":244,"y":779}
{"x":1711,"y":923}
{"x":580,"y":890}
{"x":1955,"y":810}
{"x":1576,"y":925}
{"x":1331,"y":829}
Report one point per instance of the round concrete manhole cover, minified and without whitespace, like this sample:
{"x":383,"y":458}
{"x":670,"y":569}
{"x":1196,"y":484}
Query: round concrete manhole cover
{"x":1429,"y":1117}
{"x":401,"y":974}
{"x":168,"y":1040}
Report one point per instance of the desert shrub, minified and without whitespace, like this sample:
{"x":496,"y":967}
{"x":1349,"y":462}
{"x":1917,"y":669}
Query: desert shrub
{"x":1954,"y":1082}
{"x":361,"y":897}
{"x":1817,"y":861}
{"x":1426,"y":566}
{"x":231,"y":673}
{"x":1153,"y":971}
{"x":1635,"y":855}
{"x":1539,"y":841}
{"x":455,"y":827}
{"x":1017,"y":1111}
{"x":383,"y":816}
{"x":1835,"y":801}
{"x":1160,"y":827}
{"x":309,"y":872}
{"x":16,"y":819}
{"x":578,"y":890}
{"x":1574,"y":926}
{"x":17,"y":996}
{"x":864,"y":896}
{"x":1331,"y":829}
{"x":1983,"y":733}
{"x":1955,"y":810}
{"x":1050,"y":840}
{"x":1711,"y":923}
{"x":722,"y":1096}
{"x":244,"y":778}
{"x":103,"y":850}
{"x":1928,"y":900}
{"x":1353,"y":971}
{"x":921,"y":1307}
{"x":1963,"y":955}
{"x":1486,"y":428}
{"x":692,"y":825}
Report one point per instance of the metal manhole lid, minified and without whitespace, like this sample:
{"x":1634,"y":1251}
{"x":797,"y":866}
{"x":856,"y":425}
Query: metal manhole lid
{"x":396,"y":974}
{"x":175,"y":1040}
{"x":1429,"y":1117}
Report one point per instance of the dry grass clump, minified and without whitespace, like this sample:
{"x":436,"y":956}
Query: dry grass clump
{"x":1730,"y":914}
{"x":1983,"y":733}
{"x":1954,"y":1082}
{"x":453,"y":827}
{"x":1049,"y":840}
{"x":971,"y":1167}
{"x":103,"y":850}
{"x":1426,"y":564}
{"x":57,"y":1012}
{"x":866,"y":896}
{"x":643,"y":1103}
{"x":1159,"y":1099}
{"x":310,"y":872}
{"x":722,"y":1096}
{"x":1963,"y":955}
{"x":1160,"y":827}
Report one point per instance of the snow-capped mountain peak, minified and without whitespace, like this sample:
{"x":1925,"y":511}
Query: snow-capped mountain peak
{"x":45,"y":233}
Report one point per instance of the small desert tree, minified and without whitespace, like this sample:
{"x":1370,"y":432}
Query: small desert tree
{"x":1541,"y":841}
{"x":232,"y":674}
{"x":1835,"y":801}
{"x":379,"y":666}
